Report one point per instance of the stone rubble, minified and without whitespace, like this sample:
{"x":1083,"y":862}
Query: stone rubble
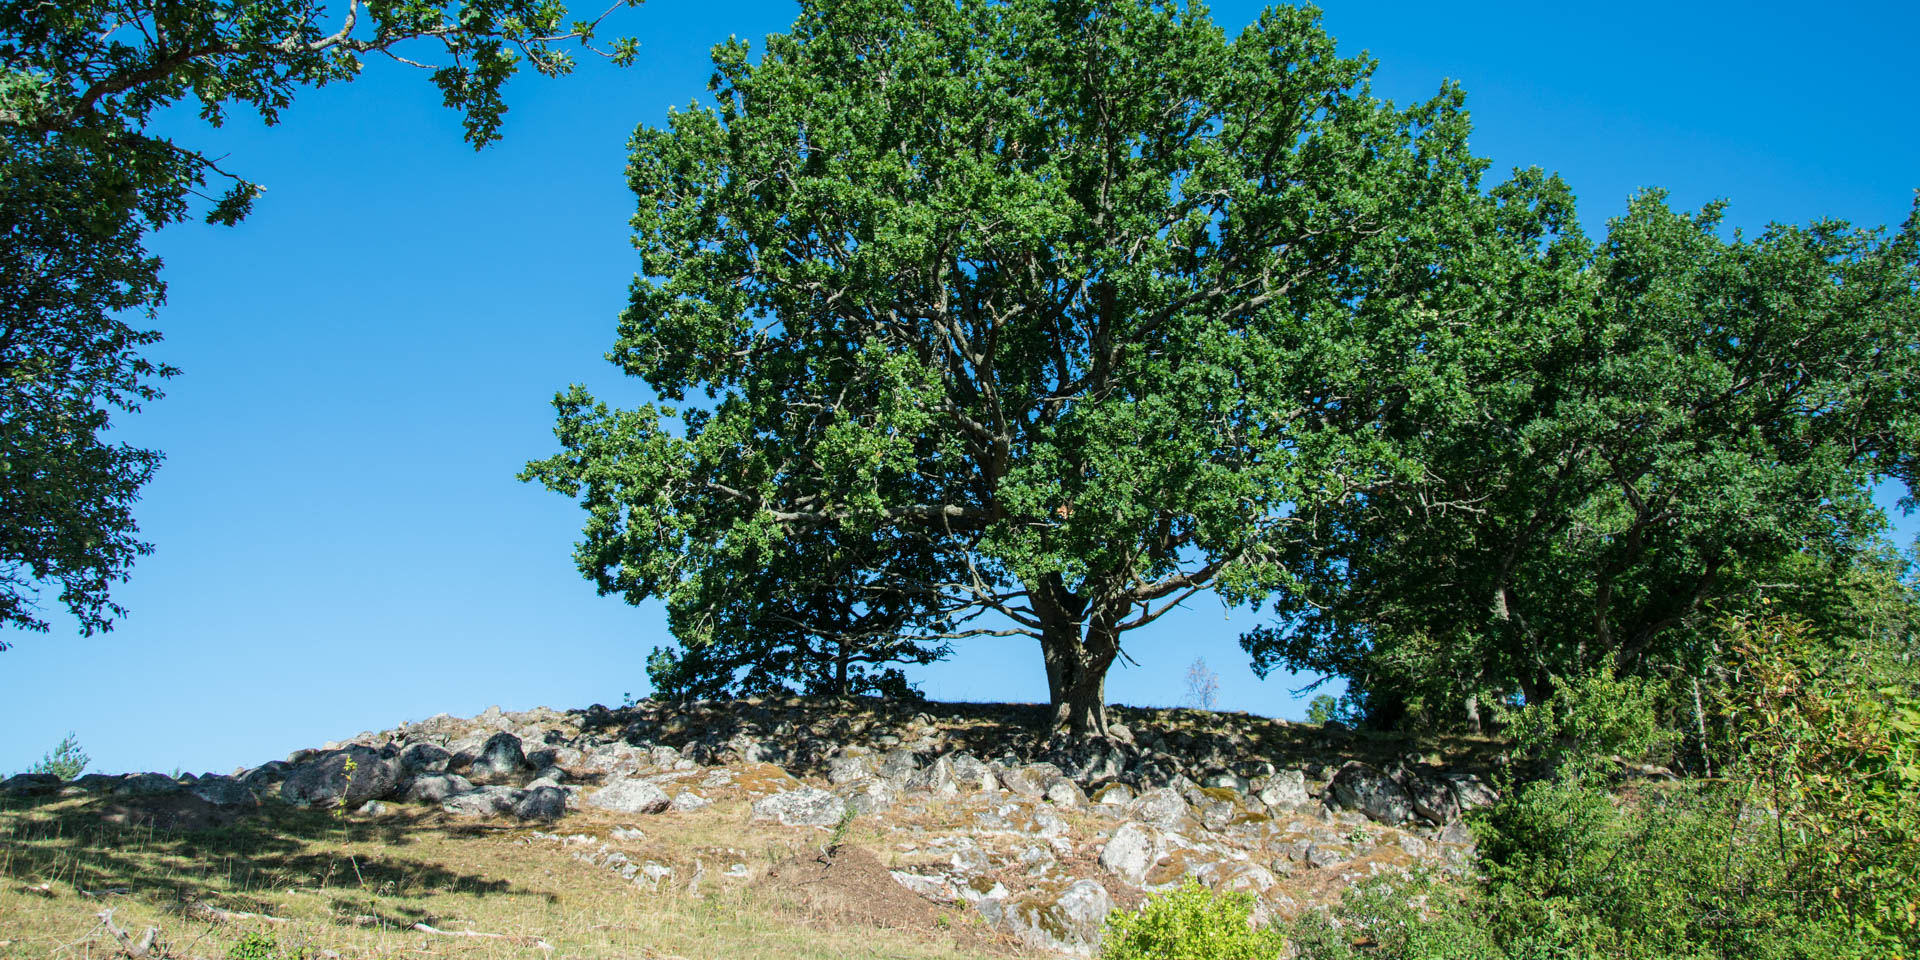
{"x":1041,"y":837}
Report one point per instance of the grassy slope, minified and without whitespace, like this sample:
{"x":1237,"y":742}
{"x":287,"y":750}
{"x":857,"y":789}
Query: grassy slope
{"x":356,"y":887}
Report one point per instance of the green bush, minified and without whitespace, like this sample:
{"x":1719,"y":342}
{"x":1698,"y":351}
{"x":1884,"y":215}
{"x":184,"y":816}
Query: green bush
{"x":66,"y":761}
{"x":1806,"y":846}
{"x":1190,"y":923}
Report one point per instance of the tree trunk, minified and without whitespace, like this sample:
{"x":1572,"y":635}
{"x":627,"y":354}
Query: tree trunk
{"x":1078,"y":655}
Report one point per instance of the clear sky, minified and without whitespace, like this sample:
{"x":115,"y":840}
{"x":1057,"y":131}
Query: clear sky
{"x":369,"y":358}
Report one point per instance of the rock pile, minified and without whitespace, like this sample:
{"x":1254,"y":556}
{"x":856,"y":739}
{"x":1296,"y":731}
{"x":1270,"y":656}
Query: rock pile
{"x":1042,"y":837}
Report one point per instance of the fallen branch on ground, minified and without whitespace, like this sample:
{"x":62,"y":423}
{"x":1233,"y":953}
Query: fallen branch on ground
{"x":207,"y":911}
{"x":521,"y":941}
{"x":127,"y":945}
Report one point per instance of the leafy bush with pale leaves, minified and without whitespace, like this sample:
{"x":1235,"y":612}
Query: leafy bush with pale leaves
{"x":1190,"y":923}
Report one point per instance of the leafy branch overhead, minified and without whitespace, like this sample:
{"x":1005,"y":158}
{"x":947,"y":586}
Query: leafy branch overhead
{"x":82,"y":181}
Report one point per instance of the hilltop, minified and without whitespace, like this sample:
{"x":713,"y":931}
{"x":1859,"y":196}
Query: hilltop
{"x":727,"y":828}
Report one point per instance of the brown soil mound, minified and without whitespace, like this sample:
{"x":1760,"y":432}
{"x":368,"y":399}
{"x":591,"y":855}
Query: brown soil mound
{"x":852,"y":885}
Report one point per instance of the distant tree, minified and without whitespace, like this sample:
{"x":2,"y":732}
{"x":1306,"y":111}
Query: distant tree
{"x":66,"y":761}
{"x":1658,"y":428}
{"x":817,"y":619}
{"x":82,"y":181}
{"x":1066,"y":301}
{"x":1322,"y":709}
{"x":1203,"y":685}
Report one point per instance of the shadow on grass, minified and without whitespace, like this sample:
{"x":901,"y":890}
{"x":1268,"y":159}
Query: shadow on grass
{"x":167,"y":848}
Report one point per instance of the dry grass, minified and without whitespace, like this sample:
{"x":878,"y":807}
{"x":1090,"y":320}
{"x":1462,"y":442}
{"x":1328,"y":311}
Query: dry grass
{"x":356,"y":888}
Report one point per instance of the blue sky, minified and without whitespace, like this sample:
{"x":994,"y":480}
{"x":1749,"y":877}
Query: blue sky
{"x":369,"y":358}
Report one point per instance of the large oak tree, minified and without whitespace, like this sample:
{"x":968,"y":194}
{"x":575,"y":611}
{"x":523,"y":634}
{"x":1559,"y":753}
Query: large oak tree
{"x":1068,"y":309}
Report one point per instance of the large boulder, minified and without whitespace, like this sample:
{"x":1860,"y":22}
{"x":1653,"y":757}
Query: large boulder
{"x":224,"y":792}
{"x":501,"y":758}
{"x":936,"y":778}
{"x":1065,"y":919}
{"x":1285,"y":790}
{"x":1031,"y":779}
{"x":971,"y":775}
{"x":1470,"y":791}
{"x":848,"y":770}
{"x":30,"y":785}
{"x":630,"y":796}
{"x":1131,"y":852}
{"x":1162,"y":807}
{"x":437,"y":787}
{"x":418,"y":758}
{"x":485,"y":802}
{"x":325,"y":780}
{"x":806,"y":807}
{"x":1432,"y":798}
{"x":542,"y":803}
{"x":1366,"y":789}
{"x":896,"y":765}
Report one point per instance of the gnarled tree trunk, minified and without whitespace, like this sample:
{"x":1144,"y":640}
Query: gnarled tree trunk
{"x":1079,"y":646}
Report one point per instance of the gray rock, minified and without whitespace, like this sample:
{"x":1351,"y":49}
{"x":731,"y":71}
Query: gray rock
{"x":1432,"y":798}
{"x":871,"y":796}
{"x":146,"y":785}
{"x":417,"y":758}
{"x":937,"y":889}
{"x":896,"y":765}
{"x":542,"y":803}
{"x":1113,"y":794}
{"x":841,"y":770}
{"x":1131,"y":852}
{"x":1285,"y":790}
{"x":971,"y":775}
{"x":325,"y":781}
{"x":1068,"y":920}
{"x":803,"y":807}
{"x":1031,"y":780}
{"x":437,"y":788}
{"x":266,"y":775}
{"x":224,"y":792}
{"x":501,"y":758}
{"x":1225,"y":781}
{"x":1065,"y":793}
{"x":630,"y":796}
{"x":687,"y":800}
{"x":1365,"y":789}
{"x":1470,"y":791}
{"x":30,"y":785}
{"x":936,"y":778}
{"x":1163,"y":808}
{"x":485,"y":802}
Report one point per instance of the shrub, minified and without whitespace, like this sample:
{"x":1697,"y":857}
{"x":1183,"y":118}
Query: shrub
{"x":66,"y":761}
{"x":1190,"y":923}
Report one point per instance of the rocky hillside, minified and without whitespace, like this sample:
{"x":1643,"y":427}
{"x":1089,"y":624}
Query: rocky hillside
{"x":967,"y":808}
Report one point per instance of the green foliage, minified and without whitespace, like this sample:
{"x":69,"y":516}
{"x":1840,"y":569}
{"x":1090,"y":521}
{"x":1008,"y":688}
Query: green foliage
{"x":1639,"y":434}
{"x":1803,"y":847}
{"x":1414,"y":919}
{"x":1323,"y":709}
{"x":66,"y":760}
{"x":1025,"y":348}
{"x":838,"y":836}
{"x":262,"y":946}
{"x":82,"y":182}
{"x":1190,"y":923}
{"x":1592,"y":723}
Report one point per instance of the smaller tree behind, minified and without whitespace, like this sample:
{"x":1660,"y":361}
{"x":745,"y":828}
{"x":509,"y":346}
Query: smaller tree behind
{"x":66,"y":761}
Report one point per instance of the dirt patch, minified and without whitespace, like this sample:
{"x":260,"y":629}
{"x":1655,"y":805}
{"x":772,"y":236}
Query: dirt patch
{"x":855,"y":887}
{"x":184,"y":813}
